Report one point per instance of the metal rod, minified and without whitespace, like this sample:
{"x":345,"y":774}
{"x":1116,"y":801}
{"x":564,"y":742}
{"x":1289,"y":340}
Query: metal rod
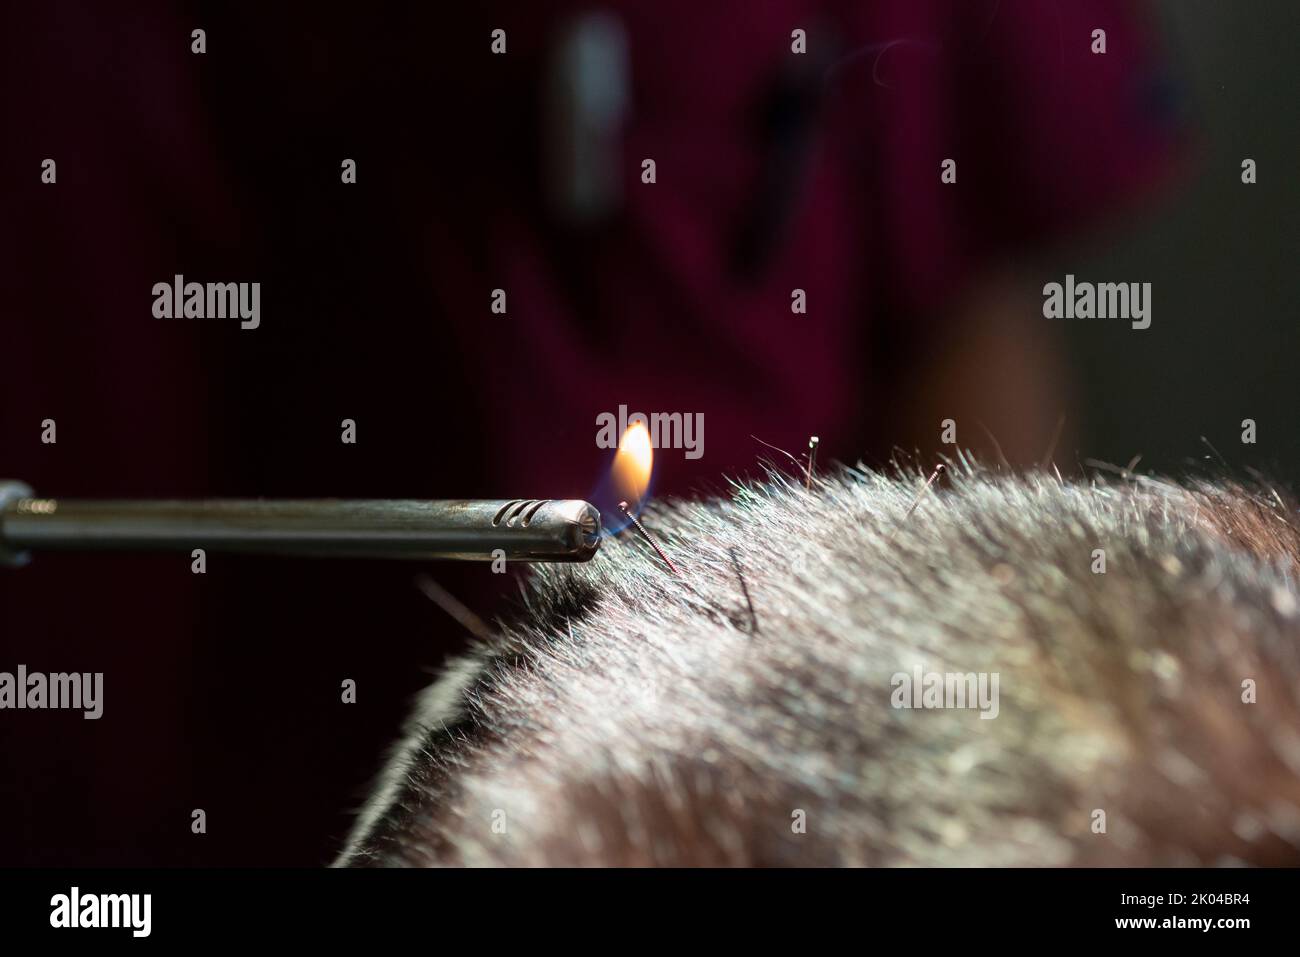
{"x":537,"y":530}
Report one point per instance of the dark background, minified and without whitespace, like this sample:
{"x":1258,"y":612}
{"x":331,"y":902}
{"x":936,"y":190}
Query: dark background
{"x":222,"y":691}
{"x":1221,"y":260}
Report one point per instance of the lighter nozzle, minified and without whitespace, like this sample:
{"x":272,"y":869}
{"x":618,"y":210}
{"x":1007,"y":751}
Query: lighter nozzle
{"x":534,"y":530}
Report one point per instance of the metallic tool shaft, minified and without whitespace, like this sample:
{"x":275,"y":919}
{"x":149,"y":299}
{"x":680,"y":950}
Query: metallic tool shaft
{"x":521,"y":529}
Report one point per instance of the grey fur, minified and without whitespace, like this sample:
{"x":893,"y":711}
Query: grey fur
{"x":635,"y":718}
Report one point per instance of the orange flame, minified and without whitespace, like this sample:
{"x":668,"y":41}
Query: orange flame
{"x":633,"y":462}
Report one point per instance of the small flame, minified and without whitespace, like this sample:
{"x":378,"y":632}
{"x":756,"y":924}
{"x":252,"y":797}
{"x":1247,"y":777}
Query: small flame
{"x":633,"y":462}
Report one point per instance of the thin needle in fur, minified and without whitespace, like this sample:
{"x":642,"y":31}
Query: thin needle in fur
{"x":735,"y":562}
{"x":449,"y":603}
{"x":917,"y":501}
